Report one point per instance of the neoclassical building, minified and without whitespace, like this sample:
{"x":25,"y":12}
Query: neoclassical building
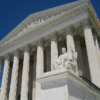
{"x":54,"y":55}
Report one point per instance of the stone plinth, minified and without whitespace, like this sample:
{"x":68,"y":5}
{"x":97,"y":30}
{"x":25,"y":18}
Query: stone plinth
{"x":61,"y":84}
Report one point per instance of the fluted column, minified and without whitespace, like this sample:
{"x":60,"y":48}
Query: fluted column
{"x":5,"y":80}
{"x":91,"y":52}
{"x":0,"y":64}
{"x":80,"y":57}
{"x":34,"y":78}
{"x":25,"y":74}
{"x":14,"y":81}
{"x":54,"y":49}
{"x":69,"y":38}
{"x":39,"y":67}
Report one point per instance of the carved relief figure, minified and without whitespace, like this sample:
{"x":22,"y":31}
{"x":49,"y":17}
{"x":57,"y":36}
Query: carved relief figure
{"x":66,"y":60}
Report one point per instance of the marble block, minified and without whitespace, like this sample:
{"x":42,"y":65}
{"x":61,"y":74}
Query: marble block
{"x":61,"y":84}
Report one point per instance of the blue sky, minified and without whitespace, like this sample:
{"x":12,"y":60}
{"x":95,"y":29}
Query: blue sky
{"x":13,"y":12}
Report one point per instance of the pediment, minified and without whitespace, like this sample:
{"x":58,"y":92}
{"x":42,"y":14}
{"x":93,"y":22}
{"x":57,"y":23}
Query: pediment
{"x":37,"y":19}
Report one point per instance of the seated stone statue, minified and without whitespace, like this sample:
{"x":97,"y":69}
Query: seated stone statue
{"x":67,"y":60}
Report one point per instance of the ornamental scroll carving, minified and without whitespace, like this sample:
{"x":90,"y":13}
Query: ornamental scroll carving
{"x":66,"y":60}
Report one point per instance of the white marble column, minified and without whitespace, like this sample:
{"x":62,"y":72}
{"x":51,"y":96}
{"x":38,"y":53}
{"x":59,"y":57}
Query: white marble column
{"x":0,"y":64}
{"x":54,"y":48}
{"x":91,"y":52}
{"x":80,"y":56}
{"x":39,"y":67}
{"x":5,"y":80}
{"x":25,"y":74}
{"x":14,"y":81}
{"x":34,"y":78}
{"x":69,"y":38}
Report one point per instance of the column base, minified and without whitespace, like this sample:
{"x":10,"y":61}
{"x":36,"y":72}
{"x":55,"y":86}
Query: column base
{"x":61,"y":84}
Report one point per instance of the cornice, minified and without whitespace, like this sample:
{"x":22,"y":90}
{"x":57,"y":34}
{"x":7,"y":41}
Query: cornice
{"x":40,"y":15}
{"x":43,"y":24}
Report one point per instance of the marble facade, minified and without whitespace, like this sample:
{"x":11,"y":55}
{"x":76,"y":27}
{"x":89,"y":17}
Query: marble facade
{"x":31,"y":48}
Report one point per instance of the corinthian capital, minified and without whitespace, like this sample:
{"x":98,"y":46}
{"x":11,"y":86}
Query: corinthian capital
{"x":54,"y":36}
{"x":86,"y":23}
{"x":17,"y":52}
{"x":7,"y":56}
{"x":27,"y":47}
{"x":69,"y":30}
{"x":40,"y":42}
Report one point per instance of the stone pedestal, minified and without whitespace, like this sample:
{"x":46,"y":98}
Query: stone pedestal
{"x":63,"y":85}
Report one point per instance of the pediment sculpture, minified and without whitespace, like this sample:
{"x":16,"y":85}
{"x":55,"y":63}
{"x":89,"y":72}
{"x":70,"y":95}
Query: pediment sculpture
{"x":67,"y":60}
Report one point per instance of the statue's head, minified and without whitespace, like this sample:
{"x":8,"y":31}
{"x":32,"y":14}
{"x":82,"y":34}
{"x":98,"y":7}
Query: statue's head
{"x":63,"y":50}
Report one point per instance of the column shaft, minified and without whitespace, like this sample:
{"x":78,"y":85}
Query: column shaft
{"x":25,"y":75}
{"x":80,"y":57}
{"x":34,"y":79}
{"x":39,"y":67}
{"x":5,"y":80}
{"x":14,"y":81}
{"x":92,"y":56}
{"x":54,"y":49}
{"x":70,"y":39}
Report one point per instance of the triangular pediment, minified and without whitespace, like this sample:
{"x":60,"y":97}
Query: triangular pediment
{"x":37,"y":19}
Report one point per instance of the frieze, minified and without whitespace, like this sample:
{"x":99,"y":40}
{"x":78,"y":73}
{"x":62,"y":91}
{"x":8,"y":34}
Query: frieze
{"x":33,"y":23}
{"x":36,"y":19}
